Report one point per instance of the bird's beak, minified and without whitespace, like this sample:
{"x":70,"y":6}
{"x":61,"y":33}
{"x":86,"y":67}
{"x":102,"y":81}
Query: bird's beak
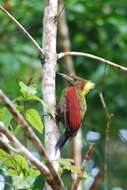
{"x":66,"y":77}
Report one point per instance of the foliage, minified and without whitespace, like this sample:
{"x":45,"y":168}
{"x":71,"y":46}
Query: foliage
{"x":5,"y":116}
{"x":97,"y":27}
{"x":68,"y":164}
{"x":34,"y":119}
{"x":23,"y":175}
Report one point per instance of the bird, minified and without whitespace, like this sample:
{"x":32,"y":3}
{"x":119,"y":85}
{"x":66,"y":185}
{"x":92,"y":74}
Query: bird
{"x":72,"y":106}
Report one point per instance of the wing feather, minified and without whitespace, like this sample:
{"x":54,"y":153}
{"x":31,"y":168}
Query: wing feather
{"x":73,"y":109}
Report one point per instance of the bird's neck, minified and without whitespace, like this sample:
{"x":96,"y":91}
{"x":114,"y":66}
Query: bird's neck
{"x":82,"y":90}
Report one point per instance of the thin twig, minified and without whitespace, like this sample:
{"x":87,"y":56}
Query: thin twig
{"x":88,"y":156}
{"x":101,"y":92}
{"x":22,"y":29}
{"x":29,"y":132}
{"x":61,"y":11}
{"x":24,"y":151}
{"x":106,"y":147}
{"x":60,"y":55}
{"x":103,"y":77}
{"x":104,"y":104}
{"x":108,"y":124}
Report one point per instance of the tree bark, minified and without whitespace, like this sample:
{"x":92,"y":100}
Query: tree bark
{"x":48,"y":82}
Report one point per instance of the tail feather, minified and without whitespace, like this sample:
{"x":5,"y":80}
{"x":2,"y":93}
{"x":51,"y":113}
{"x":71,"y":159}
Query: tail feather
{"x":62,"y":140}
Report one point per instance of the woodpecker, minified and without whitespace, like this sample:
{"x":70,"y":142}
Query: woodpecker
{"x":72,"y":106}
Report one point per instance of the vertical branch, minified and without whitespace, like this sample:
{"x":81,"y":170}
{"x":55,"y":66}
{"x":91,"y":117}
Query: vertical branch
{"x":106,"y":146}
{"x":48,"y":83}
{"x":64,"y":41}
{"x":68,"y":66}
{"x":109,"y":120}
{"x":108,"y":125}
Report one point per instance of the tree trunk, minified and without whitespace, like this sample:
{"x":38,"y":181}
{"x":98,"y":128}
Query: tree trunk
{"x":48,"y":83}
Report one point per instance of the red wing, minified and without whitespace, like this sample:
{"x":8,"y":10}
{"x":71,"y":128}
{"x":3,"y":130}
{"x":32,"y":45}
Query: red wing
{"x":73,"y":109}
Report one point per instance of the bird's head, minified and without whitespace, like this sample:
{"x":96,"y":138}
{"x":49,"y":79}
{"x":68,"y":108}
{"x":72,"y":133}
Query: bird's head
{"x":84,"y":85}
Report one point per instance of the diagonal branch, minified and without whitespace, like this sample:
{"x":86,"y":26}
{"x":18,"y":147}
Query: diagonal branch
{"x":29,"y":132}
{"x":60,"y":55}
{"x":28,"y":155}
{"x":4,"y":144}
{"x":22,"y":29}
{"x":23,"y":150}
{"x":88,"y":156}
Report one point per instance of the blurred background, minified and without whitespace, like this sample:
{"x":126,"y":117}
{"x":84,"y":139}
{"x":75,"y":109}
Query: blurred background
{"x":98,"y":27}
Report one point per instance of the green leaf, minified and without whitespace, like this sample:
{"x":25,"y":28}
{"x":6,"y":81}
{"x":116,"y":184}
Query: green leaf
{"x":65,"y":161}
{"x":5,"y":116}
{"x":3,"y":154}
{"x":68,"y":164}
{"x":17,"y":165}
{"x":60,"y":171}
{"x":44,"y":104}
{"x":19,"y":107}
{"x":12,"y":163}
{"x":21,"y":161}
{"x":27,"y":89}
{"x":1,"y":166}
{"x":34,"y":172}
{"x":21,"y":182}
{"x":75,"y":169}
{"x":12,"y":172}
{"x":34,"y":119}
{"x":31,"y":96}
{"x":85,"y":175}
